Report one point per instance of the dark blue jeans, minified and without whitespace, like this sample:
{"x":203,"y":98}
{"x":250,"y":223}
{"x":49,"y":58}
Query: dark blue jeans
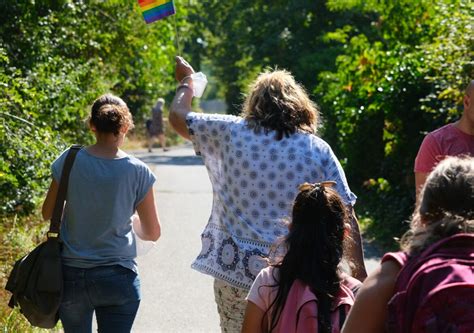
{"x":113,"y":292}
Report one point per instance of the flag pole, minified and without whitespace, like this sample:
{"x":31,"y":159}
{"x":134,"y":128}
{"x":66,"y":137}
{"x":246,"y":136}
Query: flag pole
{"x":176,"y":35}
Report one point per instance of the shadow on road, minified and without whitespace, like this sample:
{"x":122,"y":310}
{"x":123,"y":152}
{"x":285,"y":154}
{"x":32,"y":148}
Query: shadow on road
{"x":171,"y":160}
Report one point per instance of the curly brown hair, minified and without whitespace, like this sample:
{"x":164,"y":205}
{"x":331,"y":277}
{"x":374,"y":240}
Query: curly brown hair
{"x":277,"y":102}
{"x":110,"y":114}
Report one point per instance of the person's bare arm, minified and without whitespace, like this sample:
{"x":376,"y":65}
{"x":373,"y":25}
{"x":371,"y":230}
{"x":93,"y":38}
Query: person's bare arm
{"x":420,"y":179}
{"x":253,"y":319}
{"x":149,"y":226}
{"x":50,"y":200}
{"x":369,"y":312}
{"x":181,"y":105}
{"x":356,"y":253}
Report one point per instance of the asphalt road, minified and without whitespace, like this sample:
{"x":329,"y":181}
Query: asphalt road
{"x":175,"y":298}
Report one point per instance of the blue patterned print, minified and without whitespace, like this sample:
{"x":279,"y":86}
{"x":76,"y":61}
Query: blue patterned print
{"x":255,"y":180}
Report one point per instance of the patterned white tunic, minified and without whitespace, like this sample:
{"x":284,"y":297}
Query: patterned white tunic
{"x":254,"y":179}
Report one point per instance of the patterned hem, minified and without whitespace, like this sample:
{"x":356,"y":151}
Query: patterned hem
{"x":218,"y":275}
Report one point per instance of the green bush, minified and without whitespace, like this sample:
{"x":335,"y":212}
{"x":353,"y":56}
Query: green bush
{"x":56,"y":57}
{"x":391,"y":87}
{"x":385,"y":72}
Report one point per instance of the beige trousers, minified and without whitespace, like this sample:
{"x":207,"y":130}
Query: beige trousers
{"x":231,"y":306}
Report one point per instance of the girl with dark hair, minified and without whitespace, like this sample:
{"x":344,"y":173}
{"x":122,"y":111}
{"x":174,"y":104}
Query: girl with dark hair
{"x":306,"y":291}
{"x":106,"y":188}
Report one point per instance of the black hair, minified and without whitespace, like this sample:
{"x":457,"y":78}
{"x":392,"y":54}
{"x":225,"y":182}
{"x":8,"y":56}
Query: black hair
{"x":315,"y":247}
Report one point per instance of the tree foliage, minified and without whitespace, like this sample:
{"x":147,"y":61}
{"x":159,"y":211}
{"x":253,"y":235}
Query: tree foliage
{"x":390,"y":88}
{"x":384,"y":73}
{"x":240,"y":38}
{"x":56,"y":57}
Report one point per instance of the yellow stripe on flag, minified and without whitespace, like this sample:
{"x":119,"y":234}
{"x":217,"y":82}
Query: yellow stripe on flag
{"x":154,"y":4}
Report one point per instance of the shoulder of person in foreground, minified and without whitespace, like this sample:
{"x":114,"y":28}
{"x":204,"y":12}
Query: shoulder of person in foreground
{"x":369,"y":312}
{"x":136,"y":162}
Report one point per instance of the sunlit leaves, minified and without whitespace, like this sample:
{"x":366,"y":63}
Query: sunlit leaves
{"x":394,"y":83}
{"x":56,"y":57}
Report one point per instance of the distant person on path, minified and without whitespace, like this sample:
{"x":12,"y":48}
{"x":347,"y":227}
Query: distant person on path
{"x":155,"y":126}
{"x":305,"y":291}
{"x":255,"y":163}
{"x":106,"y":188}
{"x":450,"y":140}
{"x":444,"y":216}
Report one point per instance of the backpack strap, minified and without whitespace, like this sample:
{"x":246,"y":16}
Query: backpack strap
{"x":55,"y":223}
{"x":463,"y":240}
{"x":342,"y":316}
{"x":400,"y":258}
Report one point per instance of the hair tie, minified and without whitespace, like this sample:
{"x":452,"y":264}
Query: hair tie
{"x":328,"y":183}
{"x":316,"y":187}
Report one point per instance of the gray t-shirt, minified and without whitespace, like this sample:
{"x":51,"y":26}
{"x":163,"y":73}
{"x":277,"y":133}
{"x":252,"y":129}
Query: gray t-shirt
{"x":102,"y":196}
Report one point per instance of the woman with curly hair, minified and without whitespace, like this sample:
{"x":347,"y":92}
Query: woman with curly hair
{"x":255,"y":163}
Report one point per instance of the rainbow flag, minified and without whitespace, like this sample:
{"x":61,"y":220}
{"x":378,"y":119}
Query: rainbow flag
{"x":154,"y":10}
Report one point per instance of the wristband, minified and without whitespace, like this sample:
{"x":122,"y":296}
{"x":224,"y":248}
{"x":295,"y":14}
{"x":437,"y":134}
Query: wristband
{"x":185,"y":78}
{"x":184,"y":85}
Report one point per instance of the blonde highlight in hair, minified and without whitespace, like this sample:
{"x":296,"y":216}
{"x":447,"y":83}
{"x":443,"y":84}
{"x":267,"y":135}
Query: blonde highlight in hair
{"x":277,"y":102}
{"x":446,"y":207}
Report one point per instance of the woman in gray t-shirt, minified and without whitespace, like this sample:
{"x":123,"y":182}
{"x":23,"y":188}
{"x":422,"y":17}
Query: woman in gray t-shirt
{"x":106,"y":188}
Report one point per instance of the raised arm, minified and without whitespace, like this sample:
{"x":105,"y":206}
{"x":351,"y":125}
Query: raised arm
{"x":181,"y":104}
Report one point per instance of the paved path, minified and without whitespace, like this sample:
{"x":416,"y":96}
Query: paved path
{"x":175,"y":297}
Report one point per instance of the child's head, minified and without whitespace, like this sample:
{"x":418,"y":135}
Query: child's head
{"x":449,"y":190}
{"x":446,"y":206}
{"x":318,"y":223}
{"x":110,"y":114}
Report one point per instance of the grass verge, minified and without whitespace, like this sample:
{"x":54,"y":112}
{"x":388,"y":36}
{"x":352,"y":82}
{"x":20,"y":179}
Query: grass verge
{"x":17,"y":237}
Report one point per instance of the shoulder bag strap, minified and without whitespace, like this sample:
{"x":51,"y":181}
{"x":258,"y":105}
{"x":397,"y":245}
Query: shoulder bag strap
{"x":62,"y":191}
